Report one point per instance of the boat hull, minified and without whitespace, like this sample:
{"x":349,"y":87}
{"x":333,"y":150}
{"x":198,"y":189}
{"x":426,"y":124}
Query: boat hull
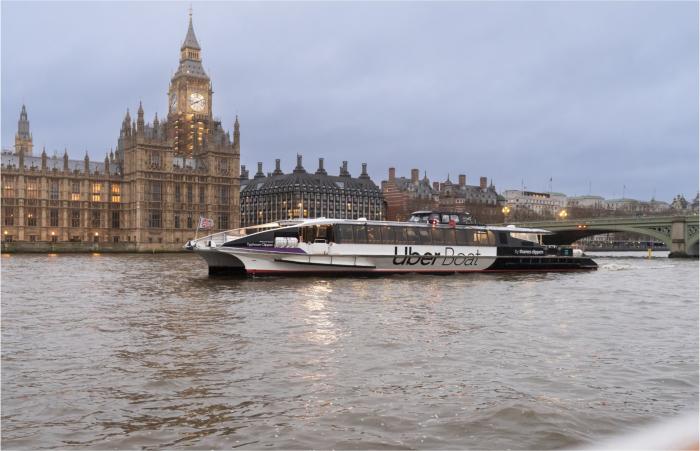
{"x":221,"y":263}
{"x":263,"y":262}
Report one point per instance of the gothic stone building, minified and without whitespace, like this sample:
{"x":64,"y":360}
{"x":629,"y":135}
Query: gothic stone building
{"x":149,"y":194}
{"x":299,"y":194}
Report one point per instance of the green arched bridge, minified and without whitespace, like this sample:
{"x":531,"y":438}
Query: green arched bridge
{"x":679,"y":233}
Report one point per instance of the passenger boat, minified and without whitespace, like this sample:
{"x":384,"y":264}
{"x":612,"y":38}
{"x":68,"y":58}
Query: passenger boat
{"x":430,"y":242}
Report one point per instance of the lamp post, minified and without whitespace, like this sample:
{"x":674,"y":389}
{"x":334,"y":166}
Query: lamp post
{"x":563,"y":214}
{"x":505,"y":210}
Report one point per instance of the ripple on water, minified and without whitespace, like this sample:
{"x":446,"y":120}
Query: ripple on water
{"x":147,"y":351}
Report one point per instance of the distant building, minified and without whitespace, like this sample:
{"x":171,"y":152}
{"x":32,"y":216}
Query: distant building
{"x":624,"y":205}
{"x":456,"y":196}
{"x":404,"y":196}
{"x":592,"y":202}
{"x":695,"y":205}
{"x":300,"y":194}
{"x":148,"y":194}
{"x":679,"y":203}
{"x":544,"y":204}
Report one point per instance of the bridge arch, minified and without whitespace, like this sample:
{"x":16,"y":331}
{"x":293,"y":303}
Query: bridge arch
{"x":575,"y":233}
{"x":679,"y":233}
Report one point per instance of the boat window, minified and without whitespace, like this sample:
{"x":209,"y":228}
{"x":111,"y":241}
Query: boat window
{"x":449,"y":237}
{"x":287,"y":233}
{"x":438,"y":235}
{"x":388,"y":235}
{"x":412,"y":235}
{"x":400,"y":235}
{"x":360,"y":234}
{"x":343,"y":233}
{"x":484,"y":238}
{"x":321,"y":233}
{"x":424,"y":235}
{"x":306,"y":234}
{"x":464,"y":237}
{"x":503,"y":237}
{"x":374,"y":234}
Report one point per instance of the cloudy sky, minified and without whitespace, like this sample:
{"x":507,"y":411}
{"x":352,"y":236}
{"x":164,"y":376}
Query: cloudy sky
{"x":595,"y":95}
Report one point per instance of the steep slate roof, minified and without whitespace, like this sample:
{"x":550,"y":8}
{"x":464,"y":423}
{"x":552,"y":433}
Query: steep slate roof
{"x":190,"y":40}
{"x":187,"y":66}
{"x":12,"y":161}
{"x":306,"y":181}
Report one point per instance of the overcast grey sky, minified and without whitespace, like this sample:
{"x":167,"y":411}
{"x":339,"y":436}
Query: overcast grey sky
{"x":599,"y":94}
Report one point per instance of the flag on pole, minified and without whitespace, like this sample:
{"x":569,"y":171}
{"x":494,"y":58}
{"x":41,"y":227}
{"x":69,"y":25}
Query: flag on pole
{"x":205,"y":223}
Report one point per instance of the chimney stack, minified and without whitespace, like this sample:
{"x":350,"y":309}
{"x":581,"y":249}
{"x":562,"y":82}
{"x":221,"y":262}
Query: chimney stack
{"x":364,"y":174}
{"x":344,"y":170}
{"x":392,"y":174}
{"x":462,"y":180}
{"x":278,"y":169}
{"x":260,"y":174}
{"x":414,"y":176}
{"x":321,"y":170}
{"x":299,"y":168}
{"x":483,"y":184}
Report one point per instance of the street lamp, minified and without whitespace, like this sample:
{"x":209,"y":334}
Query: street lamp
{"x":563,"y":214}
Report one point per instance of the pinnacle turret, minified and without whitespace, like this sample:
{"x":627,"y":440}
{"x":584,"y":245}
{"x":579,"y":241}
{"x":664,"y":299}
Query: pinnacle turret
{"x":140,"y":123}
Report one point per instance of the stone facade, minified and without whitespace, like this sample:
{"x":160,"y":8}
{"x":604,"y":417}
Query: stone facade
{"x":539,"y":204}
{"x":300,"y":194}
{"x":148,"y":194}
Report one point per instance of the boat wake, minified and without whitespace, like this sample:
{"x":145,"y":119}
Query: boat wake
{"x":615,"y":267}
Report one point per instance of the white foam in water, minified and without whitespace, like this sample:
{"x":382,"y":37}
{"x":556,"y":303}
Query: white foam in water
{"x":615,"y":267}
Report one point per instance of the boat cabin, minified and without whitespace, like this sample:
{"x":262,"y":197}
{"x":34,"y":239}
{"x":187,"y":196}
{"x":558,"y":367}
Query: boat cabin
{"x":441,"y":217}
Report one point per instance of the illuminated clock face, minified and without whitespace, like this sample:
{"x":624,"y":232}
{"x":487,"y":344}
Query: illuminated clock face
{"x":197,"y":102}
{"x":173,"y":102}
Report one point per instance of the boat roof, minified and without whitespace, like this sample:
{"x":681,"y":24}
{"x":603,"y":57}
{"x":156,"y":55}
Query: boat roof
{"x":510,"y":228}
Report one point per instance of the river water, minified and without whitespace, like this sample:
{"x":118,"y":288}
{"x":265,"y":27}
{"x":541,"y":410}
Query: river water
{"x":146,"y":351}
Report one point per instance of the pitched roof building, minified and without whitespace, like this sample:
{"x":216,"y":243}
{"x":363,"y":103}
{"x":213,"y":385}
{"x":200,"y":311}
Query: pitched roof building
{"x":406,"y":195}
{"x":302,"y":194}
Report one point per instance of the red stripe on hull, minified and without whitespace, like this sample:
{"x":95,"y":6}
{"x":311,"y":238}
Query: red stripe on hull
{"x":254,"y":272}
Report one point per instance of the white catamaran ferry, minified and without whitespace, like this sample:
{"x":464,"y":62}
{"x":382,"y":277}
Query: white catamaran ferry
{"x":430,"y":242}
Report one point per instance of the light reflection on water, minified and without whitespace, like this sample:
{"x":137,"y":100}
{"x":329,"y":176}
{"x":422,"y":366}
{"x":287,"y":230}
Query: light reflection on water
{"x":147,"y":351}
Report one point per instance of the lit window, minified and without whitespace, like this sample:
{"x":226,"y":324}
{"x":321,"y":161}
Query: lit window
{"x":8,"y":188}
{"x":116,"y":193}
{"x":75,"y":191}
{"x":32,"y":189}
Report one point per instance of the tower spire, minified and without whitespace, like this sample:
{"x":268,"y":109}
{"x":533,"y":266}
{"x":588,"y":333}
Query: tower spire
{"x":140,"y":122}
{"x":23,"y":139}
{"x":190,"y":41}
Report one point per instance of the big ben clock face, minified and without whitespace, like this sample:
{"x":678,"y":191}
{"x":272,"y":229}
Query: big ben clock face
{"x":197,"y":102}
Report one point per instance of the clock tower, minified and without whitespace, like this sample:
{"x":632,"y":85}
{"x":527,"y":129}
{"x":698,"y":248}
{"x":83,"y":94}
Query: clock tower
{"x":189,"y":99}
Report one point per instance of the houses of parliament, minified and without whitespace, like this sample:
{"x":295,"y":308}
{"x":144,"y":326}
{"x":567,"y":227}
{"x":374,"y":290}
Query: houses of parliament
{"x":148,"y":194}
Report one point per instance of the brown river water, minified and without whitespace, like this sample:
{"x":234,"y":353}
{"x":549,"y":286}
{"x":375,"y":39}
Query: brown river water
{"x":146,"y":351}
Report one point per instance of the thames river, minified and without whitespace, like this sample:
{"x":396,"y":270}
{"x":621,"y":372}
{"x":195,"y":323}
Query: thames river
{"x":146,"y":351}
